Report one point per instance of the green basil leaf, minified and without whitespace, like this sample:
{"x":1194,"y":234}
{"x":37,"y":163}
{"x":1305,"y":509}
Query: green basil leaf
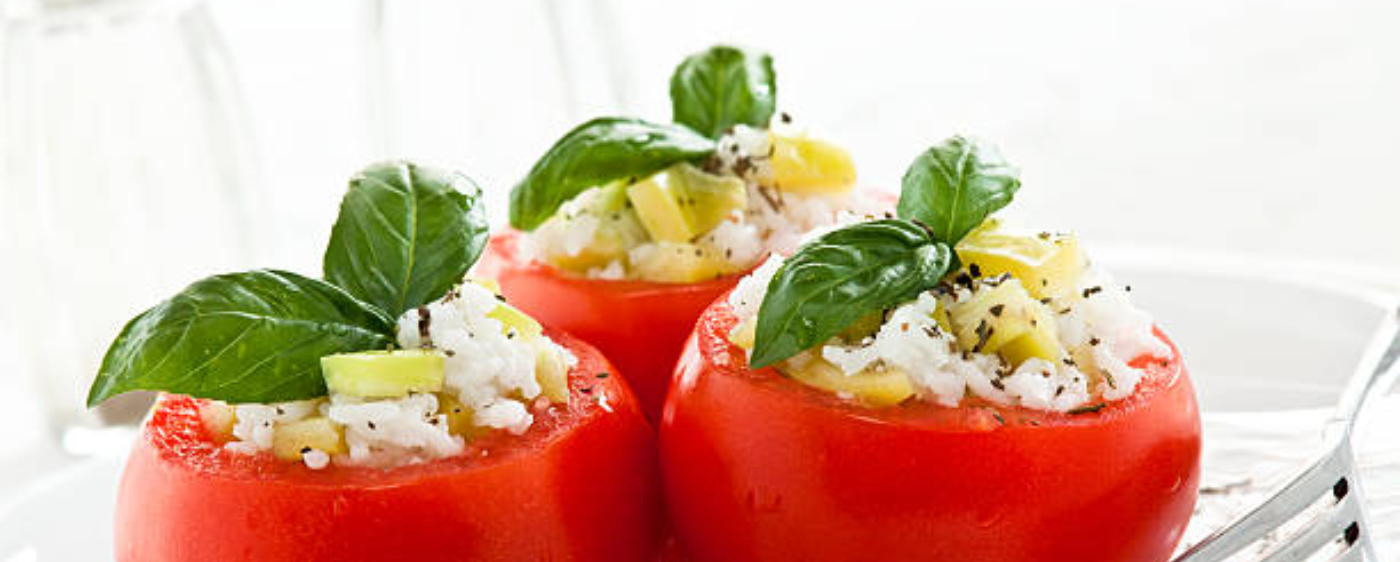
{"x":406,"y":234}
{"x":256,"y":336}
{"x":839,"y":278}
{"x":954,"y":186}
{"x":597,"y":152}
{"x":722,"y":87}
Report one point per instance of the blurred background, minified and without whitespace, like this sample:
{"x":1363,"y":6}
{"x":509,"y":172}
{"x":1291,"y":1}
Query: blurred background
{"x":147,"y":143}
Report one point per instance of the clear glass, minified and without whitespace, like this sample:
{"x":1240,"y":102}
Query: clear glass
{"x":126,"y":175}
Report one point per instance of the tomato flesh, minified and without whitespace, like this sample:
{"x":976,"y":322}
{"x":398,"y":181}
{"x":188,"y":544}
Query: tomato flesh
{"x":580,"y":485}
{"x":758,"y":467}
{"x":641,"y":326}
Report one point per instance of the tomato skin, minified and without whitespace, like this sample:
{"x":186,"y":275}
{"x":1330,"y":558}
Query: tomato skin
{"x":641,"y":326}
{"x":758,"y":467}
{"x":580,"y":485}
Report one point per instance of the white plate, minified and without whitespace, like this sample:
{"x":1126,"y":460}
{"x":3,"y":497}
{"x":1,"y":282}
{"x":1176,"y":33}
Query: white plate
{"x":1255,"y":345}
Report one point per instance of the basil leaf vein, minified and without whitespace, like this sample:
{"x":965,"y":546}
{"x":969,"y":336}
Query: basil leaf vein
{"x":597,"y":152}
{"x":721,"y":87}
{"x":405,"y":235}
{"x":954,"y":186}
{"x":839,"y":278}
{"x":255,"y":336}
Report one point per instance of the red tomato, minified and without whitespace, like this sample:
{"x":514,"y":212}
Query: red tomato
{"x":580,"y":485}
{"x":758,"y":467}
{"x":639,"y":325}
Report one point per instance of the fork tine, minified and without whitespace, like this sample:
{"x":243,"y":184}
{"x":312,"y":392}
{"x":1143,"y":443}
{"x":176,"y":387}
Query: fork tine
{"x":1329,"y":525}
{"x":1283,"y":505}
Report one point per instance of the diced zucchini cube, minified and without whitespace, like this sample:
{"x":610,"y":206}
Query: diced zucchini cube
{"x":384,"y":374}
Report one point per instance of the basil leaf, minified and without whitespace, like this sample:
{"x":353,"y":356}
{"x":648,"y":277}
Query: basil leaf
{"x":597,"y":152}
{"x":406,"y":234}
{"x":954,"y":186}
{"x":721,"y":87}
{"x":256,"y":336}
{"x":839,"y":278}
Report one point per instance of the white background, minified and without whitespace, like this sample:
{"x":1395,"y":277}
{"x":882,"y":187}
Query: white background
{"x":1250,"y":127}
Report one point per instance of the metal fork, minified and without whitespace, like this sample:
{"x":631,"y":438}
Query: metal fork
{"x":1330,"y":480}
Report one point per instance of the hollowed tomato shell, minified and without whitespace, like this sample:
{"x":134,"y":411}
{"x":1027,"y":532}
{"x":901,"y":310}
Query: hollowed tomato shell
{"x":760,"y":468}
{"x":580,"y":485}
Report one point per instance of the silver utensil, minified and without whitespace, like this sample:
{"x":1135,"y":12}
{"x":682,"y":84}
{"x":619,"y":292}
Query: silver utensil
{"x":1322,"y":505}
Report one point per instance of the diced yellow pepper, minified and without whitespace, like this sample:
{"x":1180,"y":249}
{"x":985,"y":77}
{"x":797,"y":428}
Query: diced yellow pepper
{"x":291,"y":440}
{"x":1049,"y":265}
{"x":680,"y":262}
{"x":807,"y":165}
{"x":461,"y":420}
{"x":877,"y":388}
{"x":551,"y":372}
{"x":1005,"y":320}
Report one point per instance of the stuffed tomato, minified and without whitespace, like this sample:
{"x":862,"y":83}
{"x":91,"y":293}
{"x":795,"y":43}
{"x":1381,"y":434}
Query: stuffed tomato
{"x":396,"y":410}
{"x":626,"y":229}
{"x":579,"y":484}
{"x":929,"y":389}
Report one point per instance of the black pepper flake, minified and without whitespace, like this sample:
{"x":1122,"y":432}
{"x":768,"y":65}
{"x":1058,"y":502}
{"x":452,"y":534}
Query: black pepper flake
{"x":930,"y":332}
{"x":371,"y":425}
{"x":784,"y":117}
{"x":1127,"y":288}
{"x":425,"y":320}
{"x":997,"y":309}
{"x":1068,"y":361}
{"x":1089,"y":409}
{"x":1093,"y":341}
{"x":774,"y":202}
{"x":963,"y":279}
{"x":1033,"y":422}
{"x":984,"y":333}
{"x":1091,"y":291}
{"x":974,"y":270}
{"x":501,"y":298}
{"x":997,"y":415}
{"x":998,"y":384}
{"x":699,"y":253}
{"x":1044,"y":235}
{"x":1059,"y":390}
{"x":1108,"y":378}
{"x":305,"y":450}
{"x":586,"y":390}
{"x":449,"y":353}
{"x":603,"y":375}
{"x":1164,"y":363}
{"x":1046,"y":300}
